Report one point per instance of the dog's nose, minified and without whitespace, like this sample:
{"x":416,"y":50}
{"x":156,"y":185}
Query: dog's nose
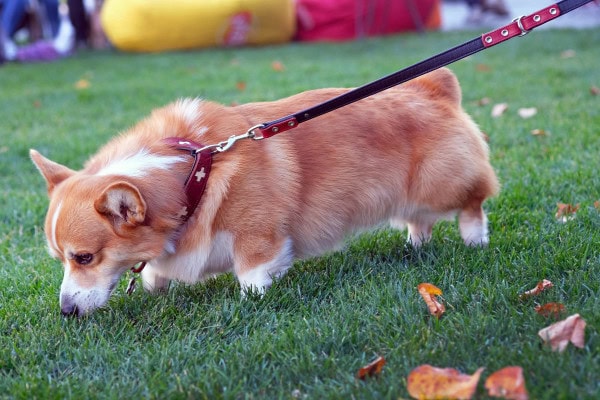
{"x":68,"y":308}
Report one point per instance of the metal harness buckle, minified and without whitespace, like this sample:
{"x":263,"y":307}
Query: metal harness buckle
{"x":520,"y":26}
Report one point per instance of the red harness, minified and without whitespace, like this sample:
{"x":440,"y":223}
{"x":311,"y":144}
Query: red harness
{"x":194,"y":185}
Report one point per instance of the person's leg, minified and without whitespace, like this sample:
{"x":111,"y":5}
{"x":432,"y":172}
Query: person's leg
{"x":13,"y":13}
{"x":79,"y":20}
{"x":51,"y":9}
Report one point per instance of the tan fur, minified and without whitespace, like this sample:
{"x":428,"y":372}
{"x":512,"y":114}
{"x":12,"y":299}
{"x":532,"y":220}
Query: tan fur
{"x":407,"y":155}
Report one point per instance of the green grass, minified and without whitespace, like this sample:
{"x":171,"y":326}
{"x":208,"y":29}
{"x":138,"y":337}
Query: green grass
{"x":329,"y":316}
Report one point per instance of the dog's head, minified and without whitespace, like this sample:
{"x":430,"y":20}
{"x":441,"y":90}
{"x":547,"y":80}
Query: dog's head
{"x":99,"y":227}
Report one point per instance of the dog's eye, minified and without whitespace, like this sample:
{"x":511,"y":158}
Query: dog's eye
{"x":83,"y":258}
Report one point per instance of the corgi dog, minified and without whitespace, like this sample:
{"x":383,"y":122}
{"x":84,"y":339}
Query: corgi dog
{"x":407,"y":156}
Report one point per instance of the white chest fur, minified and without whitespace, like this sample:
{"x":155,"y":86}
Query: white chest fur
{"x":193,"y":266}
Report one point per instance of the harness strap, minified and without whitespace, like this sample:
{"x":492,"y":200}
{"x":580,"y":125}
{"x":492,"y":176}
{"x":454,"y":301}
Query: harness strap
{"x":194,"y":186}
{"x":518,"y":27}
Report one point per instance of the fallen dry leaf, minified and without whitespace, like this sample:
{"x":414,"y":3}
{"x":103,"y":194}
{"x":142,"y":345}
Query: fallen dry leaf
{"x":429,"y":293}
{"x":427,"y":382}
{"x":559,"y":334}
{"x":550,"y":310}
{"x":507,"y":383}
{"x":597,"y":204}
{"x":570,"y":53}
{"x":240,"y":85}
{"x":82,"y":84}
{"x":499,"y":109}
{"x":540,"y":132}
{"x":371,"y":369}
{"x":277,"y":66}
{"x":594,"y":90}
{"x":527,"y":112}
{"x":483,"y":68}
{"x":484,"y":101}
{"x":539,"y":288}
{"x":565,"y":212}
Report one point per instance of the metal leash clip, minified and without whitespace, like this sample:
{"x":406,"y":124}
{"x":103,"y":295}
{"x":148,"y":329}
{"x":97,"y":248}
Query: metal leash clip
{"x":227,"y":144}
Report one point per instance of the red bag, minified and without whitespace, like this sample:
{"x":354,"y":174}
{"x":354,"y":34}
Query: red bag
{"x":338,"y":20}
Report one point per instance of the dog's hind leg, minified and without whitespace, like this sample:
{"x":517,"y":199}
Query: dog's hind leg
{"x":260,"y":276}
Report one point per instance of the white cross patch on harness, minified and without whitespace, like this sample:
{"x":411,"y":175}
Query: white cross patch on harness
{"x":183,"y":212}
{"x":200,"y":175}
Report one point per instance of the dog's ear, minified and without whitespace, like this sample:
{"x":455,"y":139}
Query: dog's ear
{"x":124,"y":203}
{"x":53,"y":173}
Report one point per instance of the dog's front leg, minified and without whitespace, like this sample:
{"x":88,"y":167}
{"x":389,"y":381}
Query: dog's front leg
{"x":256,"y":270}
{"x":153,"y":282}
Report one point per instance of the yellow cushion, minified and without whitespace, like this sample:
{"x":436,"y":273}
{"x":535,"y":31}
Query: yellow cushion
{"x":158,"y":25}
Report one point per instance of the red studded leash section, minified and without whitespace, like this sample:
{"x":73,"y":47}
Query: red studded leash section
{"x":519,"y":27}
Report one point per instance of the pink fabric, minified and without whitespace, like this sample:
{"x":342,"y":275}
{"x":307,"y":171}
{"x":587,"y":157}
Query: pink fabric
{"x":338,"y":20}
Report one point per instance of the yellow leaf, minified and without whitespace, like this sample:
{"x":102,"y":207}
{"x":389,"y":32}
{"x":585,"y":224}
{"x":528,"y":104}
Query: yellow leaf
{"x":540,"y":132}
{"x":82,"y":84}
{"x":429,"y":293}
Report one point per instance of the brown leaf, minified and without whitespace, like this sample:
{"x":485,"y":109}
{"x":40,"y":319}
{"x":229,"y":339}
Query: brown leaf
{"x":277,"y":66}
{"x":371,"y":369}
{"x":550,"y":310}
{"x":527,"y":112}
{"x":429,"y":293}
{"x":540,"y":132}
{"x":597,"y":204}
{"x":559,"y":334}
{"x":240,"y":85}
{"x":594,"y":90}
{"x":427,"y":382}
{"x":539,"y":288}
{"x":565,"y":212}
{"x":37,"y":103}
{"x":484,"y":101}
{"x":507,"y":383}
{"x":499,"y":109}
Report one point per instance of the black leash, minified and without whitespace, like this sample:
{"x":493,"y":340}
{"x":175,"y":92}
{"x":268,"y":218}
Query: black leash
{"x":519,"y":27}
